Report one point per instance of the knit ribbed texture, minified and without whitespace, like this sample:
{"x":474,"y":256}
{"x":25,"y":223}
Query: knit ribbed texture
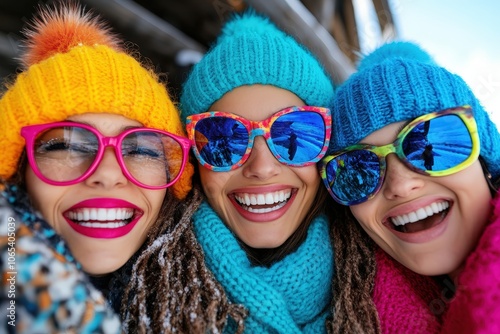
{"x":476,"y":306}
{"x":292,"y":296}
{"x":86,"y":79}
{"x":252,"y":50}
{"x":410,"y":303}
{"x":398,"y":82}
{"x":406,"y":302}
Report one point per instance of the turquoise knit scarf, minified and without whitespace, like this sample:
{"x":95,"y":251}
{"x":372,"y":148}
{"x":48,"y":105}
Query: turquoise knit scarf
{"x":292,"y":296}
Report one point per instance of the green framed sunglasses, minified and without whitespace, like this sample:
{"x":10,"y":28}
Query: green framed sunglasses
{"x":436,"y":144}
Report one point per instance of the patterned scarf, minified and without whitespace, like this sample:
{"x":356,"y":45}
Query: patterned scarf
{"x":19,"y":200}
{"x":111,"y":286}
{"x":292,"y":296}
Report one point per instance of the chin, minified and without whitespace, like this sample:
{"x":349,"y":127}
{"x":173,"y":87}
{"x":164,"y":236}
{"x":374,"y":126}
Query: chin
{"x":434,"y":268}
{"x":100,"y":269}
{"x":264,"y":242}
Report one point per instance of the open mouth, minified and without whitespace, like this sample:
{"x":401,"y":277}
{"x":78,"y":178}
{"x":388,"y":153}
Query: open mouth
{"x":101,"y":217}
{"x":421,"y":219}
{"x":263,"y":203}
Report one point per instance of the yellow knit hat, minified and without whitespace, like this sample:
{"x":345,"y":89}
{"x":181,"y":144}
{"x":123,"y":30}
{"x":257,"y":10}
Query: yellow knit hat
{"x":75,"y":66}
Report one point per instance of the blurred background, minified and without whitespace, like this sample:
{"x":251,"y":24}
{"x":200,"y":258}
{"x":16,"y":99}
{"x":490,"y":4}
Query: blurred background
{"x":461,"y":35}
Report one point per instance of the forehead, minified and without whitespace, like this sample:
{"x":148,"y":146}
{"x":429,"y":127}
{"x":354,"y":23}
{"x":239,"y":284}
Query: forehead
{"x":256,"y":102}
{"x":106,"y":123}
{"x":384,"y":135}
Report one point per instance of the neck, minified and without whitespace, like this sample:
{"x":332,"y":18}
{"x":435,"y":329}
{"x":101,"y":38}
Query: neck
{"x":453,"y":276}
{"x":266,"y":257}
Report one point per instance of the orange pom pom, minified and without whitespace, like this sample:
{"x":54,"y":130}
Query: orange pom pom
{"x":59,"y":29}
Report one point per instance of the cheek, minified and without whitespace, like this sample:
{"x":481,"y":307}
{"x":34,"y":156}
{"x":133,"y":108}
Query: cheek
{"x":308,"y":175}
{"x":36,"y":188}
{"x":357,"y":216}
{"x":473,"y":195}
{"x":213,"y":183}
{"x":155,"y":199}
{"x":43,"y":196}
{"x":362,"y":212}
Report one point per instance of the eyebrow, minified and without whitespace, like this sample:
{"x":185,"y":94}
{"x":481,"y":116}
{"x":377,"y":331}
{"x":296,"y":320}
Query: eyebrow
{"x":123,"y":128}
{"x":274,"y":111}
{"x":403,"y":126}
{"x":398,"y":130}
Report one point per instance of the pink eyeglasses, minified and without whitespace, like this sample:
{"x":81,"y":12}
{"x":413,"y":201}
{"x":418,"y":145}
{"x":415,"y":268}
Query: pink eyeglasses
{"x":65,"y":153}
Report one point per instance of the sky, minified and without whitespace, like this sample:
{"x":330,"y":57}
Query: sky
{"x":462,"y":35}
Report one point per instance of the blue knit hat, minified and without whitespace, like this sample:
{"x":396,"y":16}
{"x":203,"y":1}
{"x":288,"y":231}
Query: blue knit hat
{"x":252,"y":50}
{"x":397,"y":82}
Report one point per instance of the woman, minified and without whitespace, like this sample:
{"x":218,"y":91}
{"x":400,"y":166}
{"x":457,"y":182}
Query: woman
{"x":93,"y":142}
{"x":436,"y":220}
{"x":255,"y":112}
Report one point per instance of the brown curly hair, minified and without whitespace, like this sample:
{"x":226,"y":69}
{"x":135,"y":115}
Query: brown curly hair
{"x":170,"y":289}
{"x":353,"y":309}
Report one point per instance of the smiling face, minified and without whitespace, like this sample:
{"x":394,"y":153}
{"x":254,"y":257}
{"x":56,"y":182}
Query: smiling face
{"x":448,"y":213}
{"x":263,"y":202}
{"x":105,"y":218}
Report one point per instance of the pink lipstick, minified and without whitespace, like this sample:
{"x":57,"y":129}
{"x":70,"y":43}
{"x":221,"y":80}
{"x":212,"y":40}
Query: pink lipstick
{"x":104,"y":218}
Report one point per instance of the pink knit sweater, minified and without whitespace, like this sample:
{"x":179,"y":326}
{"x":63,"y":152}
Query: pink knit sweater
{"x":476,"y":306}
{"x":403,"y":298}
{"x":411,"y":303}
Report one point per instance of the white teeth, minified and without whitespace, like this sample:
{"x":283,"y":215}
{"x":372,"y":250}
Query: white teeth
{"x":261,"y":200}
{"x":269,"y":199}
{"x":103,"y":225}
{"x":420,"y":214}
{"x":428,"y":211}
{"x":277,"y":197}
{"x":101,"y":214}
{"x":111,"y":215}
{"x":84,"y":215}
{"x":413,"y":217}
{"x":434,"y":207}
{"x":265,"y":210}
{"x":253,"y":200}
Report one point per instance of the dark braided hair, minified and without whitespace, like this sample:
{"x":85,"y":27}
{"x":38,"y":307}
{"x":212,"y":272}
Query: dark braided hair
{"x":355,"y":266}
{"x":170,"y":288}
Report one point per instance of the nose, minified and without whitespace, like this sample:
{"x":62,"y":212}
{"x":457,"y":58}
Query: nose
{"x":108,"y":173}
{"x":400,"y":181}
{"x":261,"y":163}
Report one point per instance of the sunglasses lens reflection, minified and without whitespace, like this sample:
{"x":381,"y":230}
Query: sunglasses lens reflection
{"x":354,"y":175}
{"x":438,"y":144}
{"x":298,"y":137}
{"x":221,"y":141}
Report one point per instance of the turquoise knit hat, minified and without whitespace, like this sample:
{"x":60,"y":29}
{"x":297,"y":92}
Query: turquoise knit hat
{"x":397,"y":82}
{"x":252,"y":50}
